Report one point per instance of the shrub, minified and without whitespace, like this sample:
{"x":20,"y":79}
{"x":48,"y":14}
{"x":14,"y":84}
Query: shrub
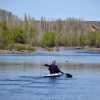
{"x":20,"y":47}
{"x":48,"y":39}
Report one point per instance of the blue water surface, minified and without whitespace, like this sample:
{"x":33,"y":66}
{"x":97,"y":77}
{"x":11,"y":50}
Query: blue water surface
{"x":64,"y":56}
{"x":23,"y":79}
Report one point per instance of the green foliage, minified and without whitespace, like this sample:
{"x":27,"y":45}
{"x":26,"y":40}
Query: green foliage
{"x":20,"y":47}
{"x":23,"y":34}
{"x":6,"y":38}
{"x":48,"y":39}
{"x":20,"y":36}
{"x":91,"y":38}
{"x":97,"y":39}
{"x":32,"y":37}
{"x":82,"y":40}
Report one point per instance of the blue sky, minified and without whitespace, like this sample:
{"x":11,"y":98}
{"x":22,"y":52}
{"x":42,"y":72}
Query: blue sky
{"x":53,"y":9}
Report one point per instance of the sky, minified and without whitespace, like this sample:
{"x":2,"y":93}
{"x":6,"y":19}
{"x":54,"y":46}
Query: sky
{"x":54,"y":9}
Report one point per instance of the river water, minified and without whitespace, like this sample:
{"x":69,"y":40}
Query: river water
{"x":21,"y":76}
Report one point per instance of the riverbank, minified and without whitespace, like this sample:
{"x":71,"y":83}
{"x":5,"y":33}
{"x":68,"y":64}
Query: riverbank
{"x":15,"y":52}
{"x":87,"y":49}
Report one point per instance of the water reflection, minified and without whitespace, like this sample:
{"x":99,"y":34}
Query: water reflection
{"x":67,"y":56}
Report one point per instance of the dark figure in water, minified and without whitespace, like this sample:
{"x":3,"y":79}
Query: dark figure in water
{"x":53,"y":68}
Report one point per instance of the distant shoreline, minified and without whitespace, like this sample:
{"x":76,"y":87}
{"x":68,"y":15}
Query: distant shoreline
{"x":88,"y":49}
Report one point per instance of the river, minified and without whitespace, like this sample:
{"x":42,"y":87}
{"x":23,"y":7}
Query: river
{"x":21,"y":76}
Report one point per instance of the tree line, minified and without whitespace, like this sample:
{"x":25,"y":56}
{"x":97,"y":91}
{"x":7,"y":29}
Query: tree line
{"x":29,"y":32}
